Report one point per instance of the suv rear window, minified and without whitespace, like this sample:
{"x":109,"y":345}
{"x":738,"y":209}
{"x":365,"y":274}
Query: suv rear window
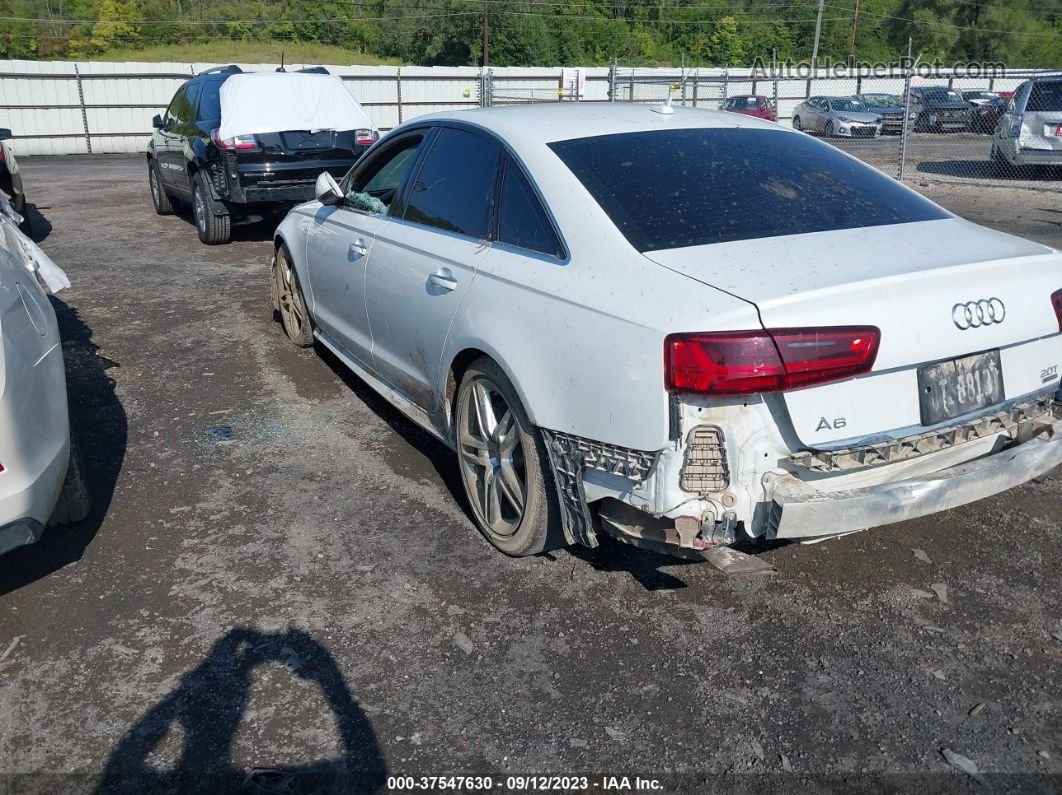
{"x":1045,"y":97}
{"x":674,"y":188}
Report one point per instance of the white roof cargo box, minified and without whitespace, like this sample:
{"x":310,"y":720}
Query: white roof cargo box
{"x":278,"y":102}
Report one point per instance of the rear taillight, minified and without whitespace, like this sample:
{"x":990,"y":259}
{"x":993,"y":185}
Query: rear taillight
{"x":1056,"y":302}
{"x":753,"y":362}
{"x":239,"y":143}
{"x":365,"y":137}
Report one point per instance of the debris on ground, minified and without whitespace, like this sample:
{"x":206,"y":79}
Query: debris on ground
{"x":290,"y":658}
{"x":575,"y":742}
{"x":454,"y":610}
{"x":757,"y":748}
{"x":10,"y":647}
{"x":960,"y":762}
{"x":464,"y":643}
{"x":938,"y":674}
{"x":920,"y":554}
{"x":1043,"y":754}
{"x":615,"y":734}
{"x":920,"y":594}
{"x":787,"y":766}
{"x":977,"y":709}
{"x":941,"y":590}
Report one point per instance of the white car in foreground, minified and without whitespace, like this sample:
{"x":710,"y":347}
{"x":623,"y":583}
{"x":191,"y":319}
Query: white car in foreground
{"x":40,"y":478}
{"x":679,"y":327}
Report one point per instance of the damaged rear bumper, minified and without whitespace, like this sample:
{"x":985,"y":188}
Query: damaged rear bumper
{"x":800,"y":511}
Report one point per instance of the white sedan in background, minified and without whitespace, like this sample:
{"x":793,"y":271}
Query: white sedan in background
{"x":40,"y":477}
{"x":651,"y":322}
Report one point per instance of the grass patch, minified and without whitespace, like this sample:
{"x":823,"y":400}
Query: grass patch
{"x":238,"y":51}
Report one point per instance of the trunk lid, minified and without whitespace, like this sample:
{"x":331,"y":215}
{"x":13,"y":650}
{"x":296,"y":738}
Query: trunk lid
{"x":298,"y":145}
{"x":906,"y":279}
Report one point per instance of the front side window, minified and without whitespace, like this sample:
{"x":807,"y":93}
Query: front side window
{"x":179,"y":111}
{"x":372,"y":186}
{"x":522,"y":222}
{"x":453,"y":189}
{"x":672,"y":188}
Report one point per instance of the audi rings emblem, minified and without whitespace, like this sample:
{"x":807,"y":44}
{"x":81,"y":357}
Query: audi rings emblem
{"x":974,"y":314}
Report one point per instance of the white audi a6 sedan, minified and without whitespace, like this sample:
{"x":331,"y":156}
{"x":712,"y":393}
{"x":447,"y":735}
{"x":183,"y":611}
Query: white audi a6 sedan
{"x":679,"y":327}
{"x":41,"y":480}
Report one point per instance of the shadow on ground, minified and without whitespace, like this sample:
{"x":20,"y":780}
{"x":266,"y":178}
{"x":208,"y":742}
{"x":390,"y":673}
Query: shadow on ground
{"x":442,"y":458}
{"x":241,"y":233}
{"x":40,"y":226}
{"x":99,"y":421}
{"x":204,"y":712}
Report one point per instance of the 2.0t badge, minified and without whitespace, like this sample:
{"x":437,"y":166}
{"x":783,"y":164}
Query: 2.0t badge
{"x":974,"y":314}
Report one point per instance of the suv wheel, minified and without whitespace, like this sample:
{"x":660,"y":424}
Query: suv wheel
{"x":162,"y":202}
{"x":213,"y":229}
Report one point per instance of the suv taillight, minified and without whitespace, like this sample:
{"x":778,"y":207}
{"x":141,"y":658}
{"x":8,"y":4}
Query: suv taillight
{"x":753,"y":362}
{"x":365,"y":137}
{"x":239,"y":143}
{"x":1056,"y":302}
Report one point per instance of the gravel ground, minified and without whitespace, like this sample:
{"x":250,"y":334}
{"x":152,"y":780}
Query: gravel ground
{"x":279,"y":586}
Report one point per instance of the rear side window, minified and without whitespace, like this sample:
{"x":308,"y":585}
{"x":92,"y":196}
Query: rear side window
{"x":522,"y":222}
{"x":673,"y":188}
{"x":1045,"y":98}
{"x":210,"y":104}
{"x":453,"y":189}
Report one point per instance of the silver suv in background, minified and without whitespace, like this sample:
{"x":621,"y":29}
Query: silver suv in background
{"x":1029,"y":132}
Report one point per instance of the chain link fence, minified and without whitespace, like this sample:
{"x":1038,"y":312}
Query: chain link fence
{"x":997,"y":131}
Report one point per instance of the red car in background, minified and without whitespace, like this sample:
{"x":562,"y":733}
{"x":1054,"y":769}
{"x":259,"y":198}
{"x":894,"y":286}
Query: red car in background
{"x":751,"y":105}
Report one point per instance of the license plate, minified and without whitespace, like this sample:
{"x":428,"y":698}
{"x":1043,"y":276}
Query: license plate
{"x":959,"y":386}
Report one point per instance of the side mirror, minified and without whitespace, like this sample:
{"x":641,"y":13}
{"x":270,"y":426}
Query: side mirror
{"x":327,"y":189}
{"x":5,"y":134}
{"x":157,"y":122}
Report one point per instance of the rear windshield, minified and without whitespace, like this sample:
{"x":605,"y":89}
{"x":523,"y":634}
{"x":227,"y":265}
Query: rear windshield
{"x":673,"y":188}
{"x":1045,"y":97}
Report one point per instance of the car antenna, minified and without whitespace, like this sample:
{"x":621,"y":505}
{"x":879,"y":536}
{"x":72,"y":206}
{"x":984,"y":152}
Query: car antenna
{"x":665,"y":108}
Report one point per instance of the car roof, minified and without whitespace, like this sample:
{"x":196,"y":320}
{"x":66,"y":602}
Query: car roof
{"x":532,"y":125}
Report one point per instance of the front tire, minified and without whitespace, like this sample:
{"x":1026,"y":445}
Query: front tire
{"x":213,"y":229}
{"x":289,"y":300}
{"x":504,"y":466}
{"x":159,"y":199}
{"x":827,"y":129}
{"x":796,"y":124}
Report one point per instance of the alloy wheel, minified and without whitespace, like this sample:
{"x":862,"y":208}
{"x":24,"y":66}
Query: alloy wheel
{"x":492,"y":458}
{"x":291,"y":310}
{"x":199,"y":207}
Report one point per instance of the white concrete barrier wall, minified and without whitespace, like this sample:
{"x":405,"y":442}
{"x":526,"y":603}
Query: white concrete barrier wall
{"x":57,"y":108}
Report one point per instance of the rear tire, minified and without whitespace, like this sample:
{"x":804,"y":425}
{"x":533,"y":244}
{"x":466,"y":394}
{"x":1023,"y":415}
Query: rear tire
{"x":74,"y":501}
{"x":292,"y":306}
{"x":213,"y":229}
{"x":161,"y":201}
{"x":503,"y":463}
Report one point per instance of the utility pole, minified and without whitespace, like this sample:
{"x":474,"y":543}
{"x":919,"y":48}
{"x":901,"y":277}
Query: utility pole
{"x":486,"y":33}
{"x":851,"y":41}
{"x":818,"y":30}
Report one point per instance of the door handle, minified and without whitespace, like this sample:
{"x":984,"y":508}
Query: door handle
{"x":358,"y":248}
{"x":443,"y":278}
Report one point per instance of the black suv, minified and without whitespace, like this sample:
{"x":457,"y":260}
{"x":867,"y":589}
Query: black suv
{"x":244,"y":179}
{"x":939,"y":109}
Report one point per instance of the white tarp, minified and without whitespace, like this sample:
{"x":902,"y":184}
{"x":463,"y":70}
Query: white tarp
{"x":281,"y":101}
